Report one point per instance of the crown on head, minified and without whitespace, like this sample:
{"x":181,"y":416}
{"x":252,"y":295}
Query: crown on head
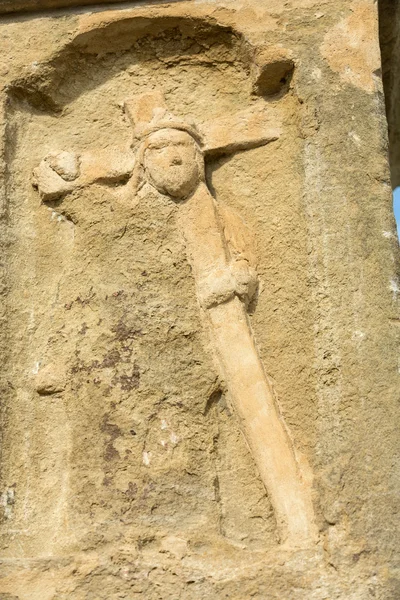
{"x":148,"y":113}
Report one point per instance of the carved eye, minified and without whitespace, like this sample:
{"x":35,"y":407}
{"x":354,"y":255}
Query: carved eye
{"x":155,"y":147}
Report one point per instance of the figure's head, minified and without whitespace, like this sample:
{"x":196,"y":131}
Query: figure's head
{"x":173,"y":162}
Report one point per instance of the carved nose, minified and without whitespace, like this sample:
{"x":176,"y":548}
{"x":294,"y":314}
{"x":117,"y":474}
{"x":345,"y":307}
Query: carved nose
{"x":176,"y":160}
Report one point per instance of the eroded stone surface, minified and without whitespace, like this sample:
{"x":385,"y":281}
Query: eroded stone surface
{"x":125,"y":470}
{"x":16,"y":6}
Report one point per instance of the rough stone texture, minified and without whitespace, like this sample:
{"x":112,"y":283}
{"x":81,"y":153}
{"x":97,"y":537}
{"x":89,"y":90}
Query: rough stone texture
{"x":15,"y":6}
{"x":124,"y":469}
{"x":389,"y":22}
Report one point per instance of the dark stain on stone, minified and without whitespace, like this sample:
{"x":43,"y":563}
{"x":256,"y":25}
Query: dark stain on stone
{"x":147,"y":490}
{"x":123,"y":332}
{"x":128,"y":382}
{"x":110,"y":453}
{"x":111,"y":359}
{"x":83,"y":329}
{"x":131,"y":492}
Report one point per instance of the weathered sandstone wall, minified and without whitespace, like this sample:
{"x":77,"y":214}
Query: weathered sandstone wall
{"x":389,"y":22}
{"x":199,"y":284}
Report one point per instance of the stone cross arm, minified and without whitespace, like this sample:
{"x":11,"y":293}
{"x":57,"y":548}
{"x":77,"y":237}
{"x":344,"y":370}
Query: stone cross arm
{"x":59,"y":173}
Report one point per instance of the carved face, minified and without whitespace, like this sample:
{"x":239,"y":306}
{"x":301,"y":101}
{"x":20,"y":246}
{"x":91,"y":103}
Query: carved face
{"x":172,"y":162}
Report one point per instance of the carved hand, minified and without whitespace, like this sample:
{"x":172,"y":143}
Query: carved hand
{"x":238,"y":278}
{"x":246,"y":280}
{"x":57,"y":175}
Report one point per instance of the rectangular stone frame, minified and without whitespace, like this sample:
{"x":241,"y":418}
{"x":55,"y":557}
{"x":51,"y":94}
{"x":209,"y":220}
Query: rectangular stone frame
{"x":352,"y":254}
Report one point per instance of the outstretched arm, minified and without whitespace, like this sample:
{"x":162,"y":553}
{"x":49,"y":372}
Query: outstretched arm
{"x":61,"y":173}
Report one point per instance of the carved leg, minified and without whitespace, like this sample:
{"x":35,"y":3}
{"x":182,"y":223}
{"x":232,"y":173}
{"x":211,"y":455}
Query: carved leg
{"x":261,"y":423}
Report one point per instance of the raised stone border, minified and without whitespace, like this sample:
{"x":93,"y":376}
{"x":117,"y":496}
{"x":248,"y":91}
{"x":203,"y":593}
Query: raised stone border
{"x":15,"y":6}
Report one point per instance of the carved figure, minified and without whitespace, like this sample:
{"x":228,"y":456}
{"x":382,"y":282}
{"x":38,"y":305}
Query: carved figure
{"x":170,"y":157}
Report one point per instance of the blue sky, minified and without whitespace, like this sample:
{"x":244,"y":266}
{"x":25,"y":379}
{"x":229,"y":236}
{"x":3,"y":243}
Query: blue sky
{"x":396,"y":204}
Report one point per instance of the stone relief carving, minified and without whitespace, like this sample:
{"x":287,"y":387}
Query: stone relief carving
{"x":168,"y":155}
{"x":124,"y":471}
